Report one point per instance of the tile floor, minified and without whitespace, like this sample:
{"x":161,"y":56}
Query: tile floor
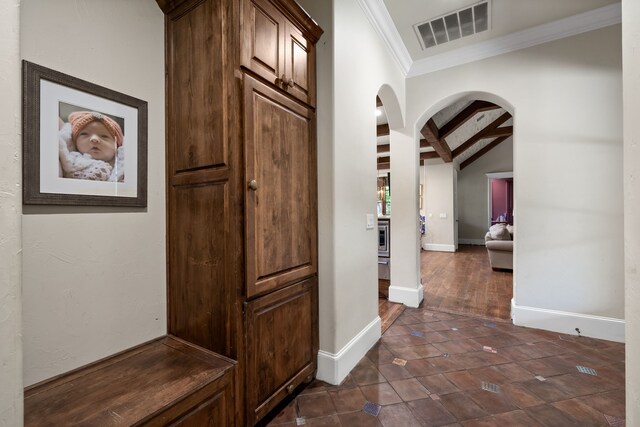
{"x":449,"y":358}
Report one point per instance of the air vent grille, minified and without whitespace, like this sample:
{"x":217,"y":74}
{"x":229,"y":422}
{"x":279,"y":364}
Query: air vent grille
{"x":454,"y":25}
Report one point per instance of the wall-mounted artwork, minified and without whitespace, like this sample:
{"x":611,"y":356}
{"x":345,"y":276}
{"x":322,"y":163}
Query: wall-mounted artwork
{"x":83,"y":144}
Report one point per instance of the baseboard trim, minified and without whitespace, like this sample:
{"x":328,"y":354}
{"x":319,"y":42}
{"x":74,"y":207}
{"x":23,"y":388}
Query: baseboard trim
{"x":411,"y":297}
{"x":605,"y":328}
{"x":438,"y":248}
{"x":333,"y":368}
{"x":477,"y":242}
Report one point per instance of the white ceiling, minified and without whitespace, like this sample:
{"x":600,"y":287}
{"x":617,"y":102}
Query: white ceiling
{"x":514,"y":25}
{"x":507,"y":17}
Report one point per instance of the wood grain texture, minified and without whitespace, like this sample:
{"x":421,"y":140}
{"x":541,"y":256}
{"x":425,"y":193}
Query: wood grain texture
{"x":282,"y":344}
{"x":152,"y":385}
{"x":463,"y":282}
{"x":280,"y":215}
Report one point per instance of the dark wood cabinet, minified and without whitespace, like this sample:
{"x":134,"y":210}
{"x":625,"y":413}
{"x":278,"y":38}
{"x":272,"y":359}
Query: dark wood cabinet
{"x":277,"y":50}
{"x":160,"y":383}
{"x":281,"y":212}
{"x":241,"y":192}
{"x":282,"y":344}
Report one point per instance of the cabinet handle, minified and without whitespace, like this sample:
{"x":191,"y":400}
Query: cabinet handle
{"x":283,"y":81}
{"x":290,"y":388}
{"x":290,"y":83}
{"x":253,"y":185}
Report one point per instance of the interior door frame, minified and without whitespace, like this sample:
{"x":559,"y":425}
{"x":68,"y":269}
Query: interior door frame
{"x":490,"y":176}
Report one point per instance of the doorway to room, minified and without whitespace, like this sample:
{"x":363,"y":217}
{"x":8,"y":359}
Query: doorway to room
{"x":468,"y":139}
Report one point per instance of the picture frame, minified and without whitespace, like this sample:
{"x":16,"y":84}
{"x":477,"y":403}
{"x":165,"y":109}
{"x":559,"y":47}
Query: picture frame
{"x":83,"y":144}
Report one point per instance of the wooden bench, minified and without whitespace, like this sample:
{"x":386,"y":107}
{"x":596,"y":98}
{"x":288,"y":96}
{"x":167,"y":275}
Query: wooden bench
{"x":163,"y":382}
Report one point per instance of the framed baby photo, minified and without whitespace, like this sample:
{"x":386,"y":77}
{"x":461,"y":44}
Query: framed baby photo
{"x":83,"y":144}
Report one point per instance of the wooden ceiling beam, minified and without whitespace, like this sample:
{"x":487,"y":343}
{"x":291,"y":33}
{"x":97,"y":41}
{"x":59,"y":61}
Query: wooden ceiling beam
{"x":378,"y":102}
{"x":382,"y":130}
{"x":424,"y":143}
{"x":432,"y":134}
{"x":501,"y":131}
{"x":483,"y":151}
{"x":385,"y":159}
{"x":383,"y":166}
{"x":384,"y":148}
{"x":429,"y":155}
{"x":481,"y":135}
{"x":463,"y":116}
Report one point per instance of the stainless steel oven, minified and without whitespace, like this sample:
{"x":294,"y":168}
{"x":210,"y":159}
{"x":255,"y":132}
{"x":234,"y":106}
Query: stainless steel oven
{"x":384,"y":246}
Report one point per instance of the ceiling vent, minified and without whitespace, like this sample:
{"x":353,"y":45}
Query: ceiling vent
{"x":454,"y":25}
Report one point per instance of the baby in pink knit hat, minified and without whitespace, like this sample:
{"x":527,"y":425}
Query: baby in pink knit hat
{"x":91,"y":147}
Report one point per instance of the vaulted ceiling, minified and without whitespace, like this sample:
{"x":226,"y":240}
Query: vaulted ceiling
{"x":464,"y":131}
{"x":461,"y":133}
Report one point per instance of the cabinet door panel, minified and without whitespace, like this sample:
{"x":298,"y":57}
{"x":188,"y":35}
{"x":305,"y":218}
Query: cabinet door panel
{"x":197,"y":60}
{"x":281,"y":344}
{"x":264,"y":31}
{"x":281,"y":213}
{"x":199,"y":265}
{"x":299,"y":53}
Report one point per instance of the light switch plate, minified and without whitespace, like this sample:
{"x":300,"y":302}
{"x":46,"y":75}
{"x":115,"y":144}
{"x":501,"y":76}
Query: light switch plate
{"x":370,"y":222}
{"x":443,"y":215}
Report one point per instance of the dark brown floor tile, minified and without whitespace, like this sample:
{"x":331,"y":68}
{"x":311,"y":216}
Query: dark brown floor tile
{"x":409,"y":389}
{"x":585,"y":414}
{"x":347,"y":400}
{"x":549,"y":416}
{"x":364,"y":375}
{"x":498,"y":341}
{"x":493,"y":403}
{"x":516,"y":353}
{"x":382,"y":394}
{"x":452,"y":363}
{"x":517,"y":418}
{"x":380,"y":354}
{"x":314,"y":387}
{"x":606,"y":403}
{"x":545,"y":390}
{"x":330,"y":421}
{"x":462,"y":407}
{"x":513,"y":372}
{"x":484,"y":358}
{"x":438,"y":384}
{"x":398,"y":416}
{"x":550,"y":348}
{"x":421,"y":367}
{"x":398,"y":341}
{"x":452,"y":335}
{"x":394,"y":372}
{"x":434,"y":337}
{"x":397,"y":330}
{"x":490,"y":375}
{"x":547,"y":366}
{"x":316,"y":405}
{"x":458,"y":346}
{"x":478,"y":331}
{"x":463,"y":380}
{"x":470,"y":360}
{"x":416,"y":352}
{"x":431,"y":412}
{"x":287,"y":415}
{"x":520,"y":396}
{"x":579,"y":384}
{"x":617,"y":395}
{"x":348,"y":382}
{"x":439,"y":326}
{"x":358,"y":419}
{"x":614,"y":373}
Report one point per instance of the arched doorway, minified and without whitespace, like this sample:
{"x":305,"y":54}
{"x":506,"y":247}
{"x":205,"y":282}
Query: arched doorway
{"x":464,"y":138}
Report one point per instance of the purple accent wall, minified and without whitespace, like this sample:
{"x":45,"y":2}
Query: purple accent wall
{"x":502,"y":199}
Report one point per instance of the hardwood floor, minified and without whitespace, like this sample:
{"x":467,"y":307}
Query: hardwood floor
{"x":464,"y":283}
{"x":389,"y":312}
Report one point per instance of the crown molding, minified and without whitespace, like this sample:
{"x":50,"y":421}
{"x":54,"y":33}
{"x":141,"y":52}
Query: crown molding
{"x":379,"y":17}
{"x":567,"y":27}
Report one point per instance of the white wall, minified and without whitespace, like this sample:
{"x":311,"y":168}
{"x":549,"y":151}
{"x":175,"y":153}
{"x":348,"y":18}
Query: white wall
{"x":94,"y":278}
{"x":353,"y":65}
{"x":438,"y":191}
{"x":11,"y":407}
{"x":473,"y":190}
{"x":567,"y":100}
{"x":631,"y":76}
